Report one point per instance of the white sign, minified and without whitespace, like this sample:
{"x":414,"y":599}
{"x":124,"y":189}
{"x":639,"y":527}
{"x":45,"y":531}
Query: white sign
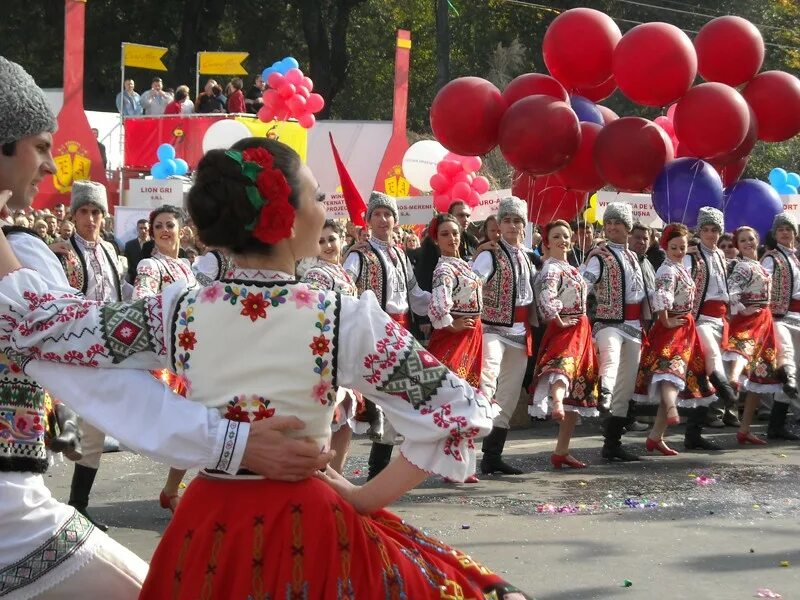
{"x":335,"y":206}
{"x":152,"y":193}
{"x":490,"y":202}
{"x":641,"y":206}
{"x":791,"y":204}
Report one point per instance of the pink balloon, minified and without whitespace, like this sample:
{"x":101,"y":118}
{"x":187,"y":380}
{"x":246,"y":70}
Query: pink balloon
{"x":287,"y":91}
{"x":294,"y":76}
{"x":441,"y":202}
{"x":271,"y":97}
{"x":471,"y":163}
{"x":308,"y":84}
{"x":666,"y":124}
{"x":608,"y":114}
{"x":303,"y":92}
{"x":297,"y":104}
{"x":440,"y":183}
{"x":315,"y":103}
{"x":480,"y":184}
{"x":474,"y":199}
{"x":275,"y":80}
{"x":306,"y":120}
{"x":266,"y":114}
{"x":448,"y":168}
{"x":460,"y":191}
{"x":462,"y":177}
{"x":671,"y":111}
{"x":282,"y":113}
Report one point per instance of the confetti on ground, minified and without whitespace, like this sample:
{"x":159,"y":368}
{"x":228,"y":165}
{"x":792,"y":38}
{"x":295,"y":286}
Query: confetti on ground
{"x":595,"y":506}
{"x":704,"y":480}
{"x":785,"y":563}
{"x":767,"y":593}
{"x":465,"y":526}
{"x":627,"y":583}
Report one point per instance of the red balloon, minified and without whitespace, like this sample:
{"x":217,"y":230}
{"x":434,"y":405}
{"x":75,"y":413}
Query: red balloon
{"x":547,"y":199}
{"x":600,"y":92}
{"x":712,"y":119}
{"x":539,"y":134}
{"x":731,"y":172}
{"x":465,"y":116}
{"x":578,"y":47}
{"x":608,"y":114}
{"x":581,"y":173}
{"x":531,"y":84}
{"x":730,"y":50}
{"x":654,"y":64}
{"x":744,"y":149}
{"x":775,"y":98}
{"x":630,"y":153}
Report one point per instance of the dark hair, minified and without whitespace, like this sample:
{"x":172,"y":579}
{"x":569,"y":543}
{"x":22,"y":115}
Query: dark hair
{"x":672,"y":231}
{"x":335,"y":226}
{"x":9,"y":148}
{"x":218,"y":203}
{"x":484,"y":234}
{"x":642,"y":227}
{"x":181,"y":94}
{"x":740,"y":230}
{"x":166,"y":209}
{"x":156,"y":79}
{"x":575,"y":225}
{"x":455,"y":205}
{"x":237,"y":83}
{"x":725,"y":237}
{"x":216,"y":90}
{"x":552,"y":225}
{"x":140,"y":221}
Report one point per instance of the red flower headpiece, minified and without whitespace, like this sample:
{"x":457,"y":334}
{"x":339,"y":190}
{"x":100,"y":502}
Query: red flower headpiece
{"x":433,"y":228}
{"x":269,"y":195}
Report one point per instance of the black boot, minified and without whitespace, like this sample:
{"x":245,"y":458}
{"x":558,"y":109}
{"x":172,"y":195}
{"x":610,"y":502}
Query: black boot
{"x":693,"y":440}
{"x":603,"y":399}
{"x":777,"y":429}
{"x":68,"y":440}
{"x":492,"y":461}
{"x":374,"y":416}
{"x":724,"y":389}
{"x":379,"y":457}
{"x":612,"y":447}
{"x":82,"y":482}
{"x":787,"y":377}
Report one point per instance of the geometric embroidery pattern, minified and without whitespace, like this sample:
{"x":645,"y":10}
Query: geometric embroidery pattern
{"x":125,"y":330}
{"x":48,"y":556}
{"x":416,"y":377}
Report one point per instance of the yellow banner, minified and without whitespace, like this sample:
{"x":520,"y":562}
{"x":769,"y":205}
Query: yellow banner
{"x":145,"y":57}
{"x":222,"y":63}
{"x":288,"y":132}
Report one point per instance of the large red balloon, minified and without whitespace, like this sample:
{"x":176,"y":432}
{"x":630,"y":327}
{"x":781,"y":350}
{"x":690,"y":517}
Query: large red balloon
{"x":465,"y":116}
{"x":711,"y":119}
{"x":598,"y":93}
{"x":654,"y":64}
{"x":531,"y":84}
{"x":744,"y":149}
{"x":547,"y":199}
{"x":539,"y":134}
{"x":608,"y":114}
{"x":731,"y":172}
{"x":581,"y":173}
{"x":578,"y":47}
{"x":775,"y":98}
{"x":630,"y":153}
{"x":730,"y":50}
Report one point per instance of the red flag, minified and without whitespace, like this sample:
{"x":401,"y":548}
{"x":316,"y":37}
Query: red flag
{"x":353,"y":200}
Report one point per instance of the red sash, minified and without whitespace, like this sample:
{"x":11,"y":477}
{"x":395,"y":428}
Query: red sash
{"x":522,"y":315}
{"x":401,"y":318}
{"x":794,"y":306}
{"x":633,"y":312}
{"x":717,"y":309}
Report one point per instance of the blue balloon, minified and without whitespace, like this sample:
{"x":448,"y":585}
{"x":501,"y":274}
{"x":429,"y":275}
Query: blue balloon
{"x":786,"y":190}
{"x":165,"y":152}
{"x":778,"y":177}
{"x":182,"y":167}
{"x":159,"y":171}
{"x":683,"y":187}
{"x":586,"y":110}
{"x":751,"y":202}
{"x":267,"y":72}
{"x":793,"y":179}
{"x":291,"y":63}
{"x":170,"y":167}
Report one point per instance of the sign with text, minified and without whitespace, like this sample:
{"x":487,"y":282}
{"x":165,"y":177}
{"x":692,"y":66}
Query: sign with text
{"x":152,"y":193}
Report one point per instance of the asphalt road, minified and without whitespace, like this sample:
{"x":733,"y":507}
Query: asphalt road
{"x":700,"y":525}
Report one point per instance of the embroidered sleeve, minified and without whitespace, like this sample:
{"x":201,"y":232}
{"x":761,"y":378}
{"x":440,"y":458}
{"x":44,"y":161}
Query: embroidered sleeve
{"x":66,"y":328}
{"x":663,"y":296}
{"x":441,"y":298}
{"x":148,"y":279}
{"x":437,"y":412}
{"x":318,"y":279}
{"x":590,"y":271}
{"x":549,"y":304}
{"x":737,"y":284}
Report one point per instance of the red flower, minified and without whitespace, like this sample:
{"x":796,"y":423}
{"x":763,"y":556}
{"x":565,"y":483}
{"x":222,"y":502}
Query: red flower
{"x":263,"y":413}
{"x":236,"y":413}
{"x":259,"y":156}
{"x":187,"y":339}
{"x":273,"y":187}
{"x":319,"y":346}
{"x":274,"y":222}
{"x":254,"y":306}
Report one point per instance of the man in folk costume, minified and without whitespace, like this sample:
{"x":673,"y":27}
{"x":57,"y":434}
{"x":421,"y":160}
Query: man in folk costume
{"x":784,"y":267}
{"x":615,"y":276}
{"x":508,"y":312}
{"x":384,"y":269}
{"x":709,"y":270}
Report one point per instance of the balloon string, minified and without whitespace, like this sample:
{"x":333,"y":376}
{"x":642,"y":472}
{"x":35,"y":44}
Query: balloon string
{"x":695,"y":170}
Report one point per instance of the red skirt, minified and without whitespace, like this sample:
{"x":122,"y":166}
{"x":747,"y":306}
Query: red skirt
{"x":461,"y":352}
{"x":570,"y":352}
{"x":271,"y":539}
{"x":675,"y":352}
{"x":753,"y":337}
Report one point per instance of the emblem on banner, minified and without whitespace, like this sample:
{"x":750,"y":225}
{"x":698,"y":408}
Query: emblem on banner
{"x":72,"y":164}
{"x":396,"y":185}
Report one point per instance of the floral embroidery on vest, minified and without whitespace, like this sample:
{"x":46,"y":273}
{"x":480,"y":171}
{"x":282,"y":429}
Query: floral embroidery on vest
{"x":372,"y":275}
{"x":610,"y":290}
{"x":700,"y":275}
{"x":782,"y":284}
{"x":500,"y":291}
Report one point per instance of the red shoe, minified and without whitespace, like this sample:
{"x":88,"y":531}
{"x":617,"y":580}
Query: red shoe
{"x":651,"y":444}
{"x":472,"y":479}
{"x":749,"y":438}
{"x":566,"y":460}
{"x":169,"y":503}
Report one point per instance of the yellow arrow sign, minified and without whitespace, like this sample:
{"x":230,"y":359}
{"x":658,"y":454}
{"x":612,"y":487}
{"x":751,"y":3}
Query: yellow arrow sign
{"x":222,"y":63}
{"x":145,"y":57}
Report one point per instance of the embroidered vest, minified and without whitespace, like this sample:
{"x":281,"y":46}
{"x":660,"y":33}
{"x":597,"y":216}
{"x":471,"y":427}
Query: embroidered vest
{"x":500,"y":290}
{"x":289,"y":367}
{"x":75,"y":266}
{"x":610,"y":290}
{"x":701,"y":275}
{"x":782,"y":284}
{"x":372,"y":275}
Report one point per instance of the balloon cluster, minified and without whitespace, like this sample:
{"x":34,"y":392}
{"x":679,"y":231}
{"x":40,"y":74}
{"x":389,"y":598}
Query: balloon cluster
{"x":290,"y":96}
{"x":550,"y":127}
{"x":167,"y":164}
{"x":455,"y":181}
{"x":784,"y":183}
{"x":280,"y":66}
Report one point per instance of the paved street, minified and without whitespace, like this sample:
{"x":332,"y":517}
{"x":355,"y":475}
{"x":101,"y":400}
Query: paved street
{"x":695,"y":526}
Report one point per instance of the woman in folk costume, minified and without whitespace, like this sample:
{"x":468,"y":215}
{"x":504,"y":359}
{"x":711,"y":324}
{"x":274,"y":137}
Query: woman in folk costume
{"x":244,"y":536}
{"x":153,"y":273}
{"x":326,"y":273}
{"x":455,"y":311}
{"x":673,"y":362}
{"x":211,"y":266}
{"x":565,"y":380}
{"x":784,"y":267}
{"x":752,"y":347}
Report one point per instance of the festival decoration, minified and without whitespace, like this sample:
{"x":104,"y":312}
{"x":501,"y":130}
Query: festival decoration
{"x":730,"y":50}
{"x":455,"y":180}
{"x":586,"y":109}
{"x":683,"y":187}
{"x":598,"y":93}
{"x":784,"y":183}
{"x":590,"y":214}
{"x":280,"y":66}
{"x":224,"y":134}
{"x":290,"y":97}
{"x":751,"y":202}
{"x":531,"y":84}
{"x":168,"y":164}
{"x":547,"y":199}
{"x":774,"y":96}
{"x":608,"y":114}
{"x":420,"y":161}
{"x":731,"y":172}
{"x":580,"y":173}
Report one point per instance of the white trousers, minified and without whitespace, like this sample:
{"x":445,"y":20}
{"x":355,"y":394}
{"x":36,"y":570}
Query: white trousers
{"x":789,"y":342}
{"x":619,"y":363}
{"x":92,"y":440}
{"x":502,"y":373}
{"x":710,"y":341}
{"x":114,"y":573}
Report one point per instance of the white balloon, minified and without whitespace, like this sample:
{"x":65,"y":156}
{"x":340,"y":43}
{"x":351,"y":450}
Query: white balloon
{"x":419,"y":163}
{"x":223,"y":134}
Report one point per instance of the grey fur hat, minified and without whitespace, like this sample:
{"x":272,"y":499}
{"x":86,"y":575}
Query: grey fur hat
{"x":88,"y":192}
{"x":23,"y":108}
{"x":621,"y":211}
{"x":709,"y":215}
{"x":784,"y":218}
{"x":381,"y":200}
{"x":512,"y":206}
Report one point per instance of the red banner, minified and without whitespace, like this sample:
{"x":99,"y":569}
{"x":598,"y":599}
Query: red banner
{"x":143,"y":136}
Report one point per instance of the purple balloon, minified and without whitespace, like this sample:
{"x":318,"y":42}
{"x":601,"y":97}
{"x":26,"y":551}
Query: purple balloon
{"x":683,"y":187}
{"x":586,"y":110}
{"x":751,"y":202}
